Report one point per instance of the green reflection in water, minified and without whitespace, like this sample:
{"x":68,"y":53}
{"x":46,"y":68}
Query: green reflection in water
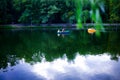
{"x":33,"y":45}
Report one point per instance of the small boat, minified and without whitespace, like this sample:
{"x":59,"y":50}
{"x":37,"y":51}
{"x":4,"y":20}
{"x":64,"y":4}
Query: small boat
{"x":63,"y":32}
{"x":91,"y":30}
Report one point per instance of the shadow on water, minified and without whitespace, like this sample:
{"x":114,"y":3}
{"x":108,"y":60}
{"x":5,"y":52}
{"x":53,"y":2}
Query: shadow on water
{"x":45,"y":47}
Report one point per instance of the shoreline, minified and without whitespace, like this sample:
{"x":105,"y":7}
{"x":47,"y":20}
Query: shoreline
{"x":87,"y":25}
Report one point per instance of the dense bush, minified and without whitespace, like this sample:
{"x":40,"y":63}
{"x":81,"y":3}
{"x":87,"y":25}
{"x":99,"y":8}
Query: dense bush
{"x":56,"y":11}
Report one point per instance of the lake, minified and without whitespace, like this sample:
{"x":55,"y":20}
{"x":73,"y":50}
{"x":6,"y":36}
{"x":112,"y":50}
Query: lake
{"x":40,"y":54}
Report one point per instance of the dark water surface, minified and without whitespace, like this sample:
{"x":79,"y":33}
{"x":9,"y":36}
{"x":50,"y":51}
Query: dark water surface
{"x":43,"y":55}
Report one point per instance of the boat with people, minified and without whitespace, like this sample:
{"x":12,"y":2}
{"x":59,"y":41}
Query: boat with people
{"x":63,"y":31}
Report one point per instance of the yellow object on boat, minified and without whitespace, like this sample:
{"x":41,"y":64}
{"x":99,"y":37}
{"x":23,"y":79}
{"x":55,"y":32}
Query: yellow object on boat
{"x":91,"y":30}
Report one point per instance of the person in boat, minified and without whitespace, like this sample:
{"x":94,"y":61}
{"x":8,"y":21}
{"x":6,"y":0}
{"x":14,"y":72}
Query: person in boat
{"x":63,"y":30}
{"x":58,"y":30}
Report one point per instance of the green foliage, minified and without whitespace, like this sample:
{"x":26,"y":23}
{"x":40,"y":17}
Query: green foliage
{"x":79,"y":10}
{"x":6,"y":9}
{"x":96,"y":5}
{"x":59,"y":11}
{"x":114,"y":7}
{"x":85,"y":16}
{"x":39,"y":11}
{"x":68,"y":17}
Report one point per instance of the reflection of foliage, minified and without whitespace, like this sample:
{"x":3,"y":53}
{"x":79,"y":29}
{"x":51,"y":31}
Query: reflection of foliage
{"x":34,"y":45}
{"x":113,"y":45}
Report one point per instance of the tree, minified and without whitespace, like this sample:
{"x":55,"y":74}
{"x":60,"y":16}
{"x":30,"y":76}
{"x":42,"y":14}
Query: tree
{"x":114,"y":7}
{"x":6,"y":11}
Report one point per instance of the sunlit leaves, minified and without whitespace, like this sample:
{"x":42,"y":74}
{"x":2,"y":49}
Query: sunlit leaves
{"x":85,"y":15}
{"x":82,"y":15}
{"x":61,"y":11}
{"x":96,"y":5}
{"x":114,"y":8}
{"x":79,"y":7}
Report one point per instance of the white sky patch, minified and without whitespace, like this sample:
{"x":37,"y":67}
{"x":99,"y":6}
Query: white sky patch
{"x":90,"y":65}
{"x":82,"y":67}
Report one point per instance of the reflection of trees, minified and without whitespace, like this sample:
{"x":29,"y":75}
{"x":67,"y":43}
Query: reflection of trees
{"x":34,"y":45}
{"x":114,"y":45}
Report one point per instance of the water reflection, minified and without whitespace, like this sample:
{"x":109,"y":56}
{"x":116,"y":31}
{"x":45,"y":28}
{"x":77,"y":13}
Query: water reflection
{"x":42,"y":55}
{"x":89,"y":67}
